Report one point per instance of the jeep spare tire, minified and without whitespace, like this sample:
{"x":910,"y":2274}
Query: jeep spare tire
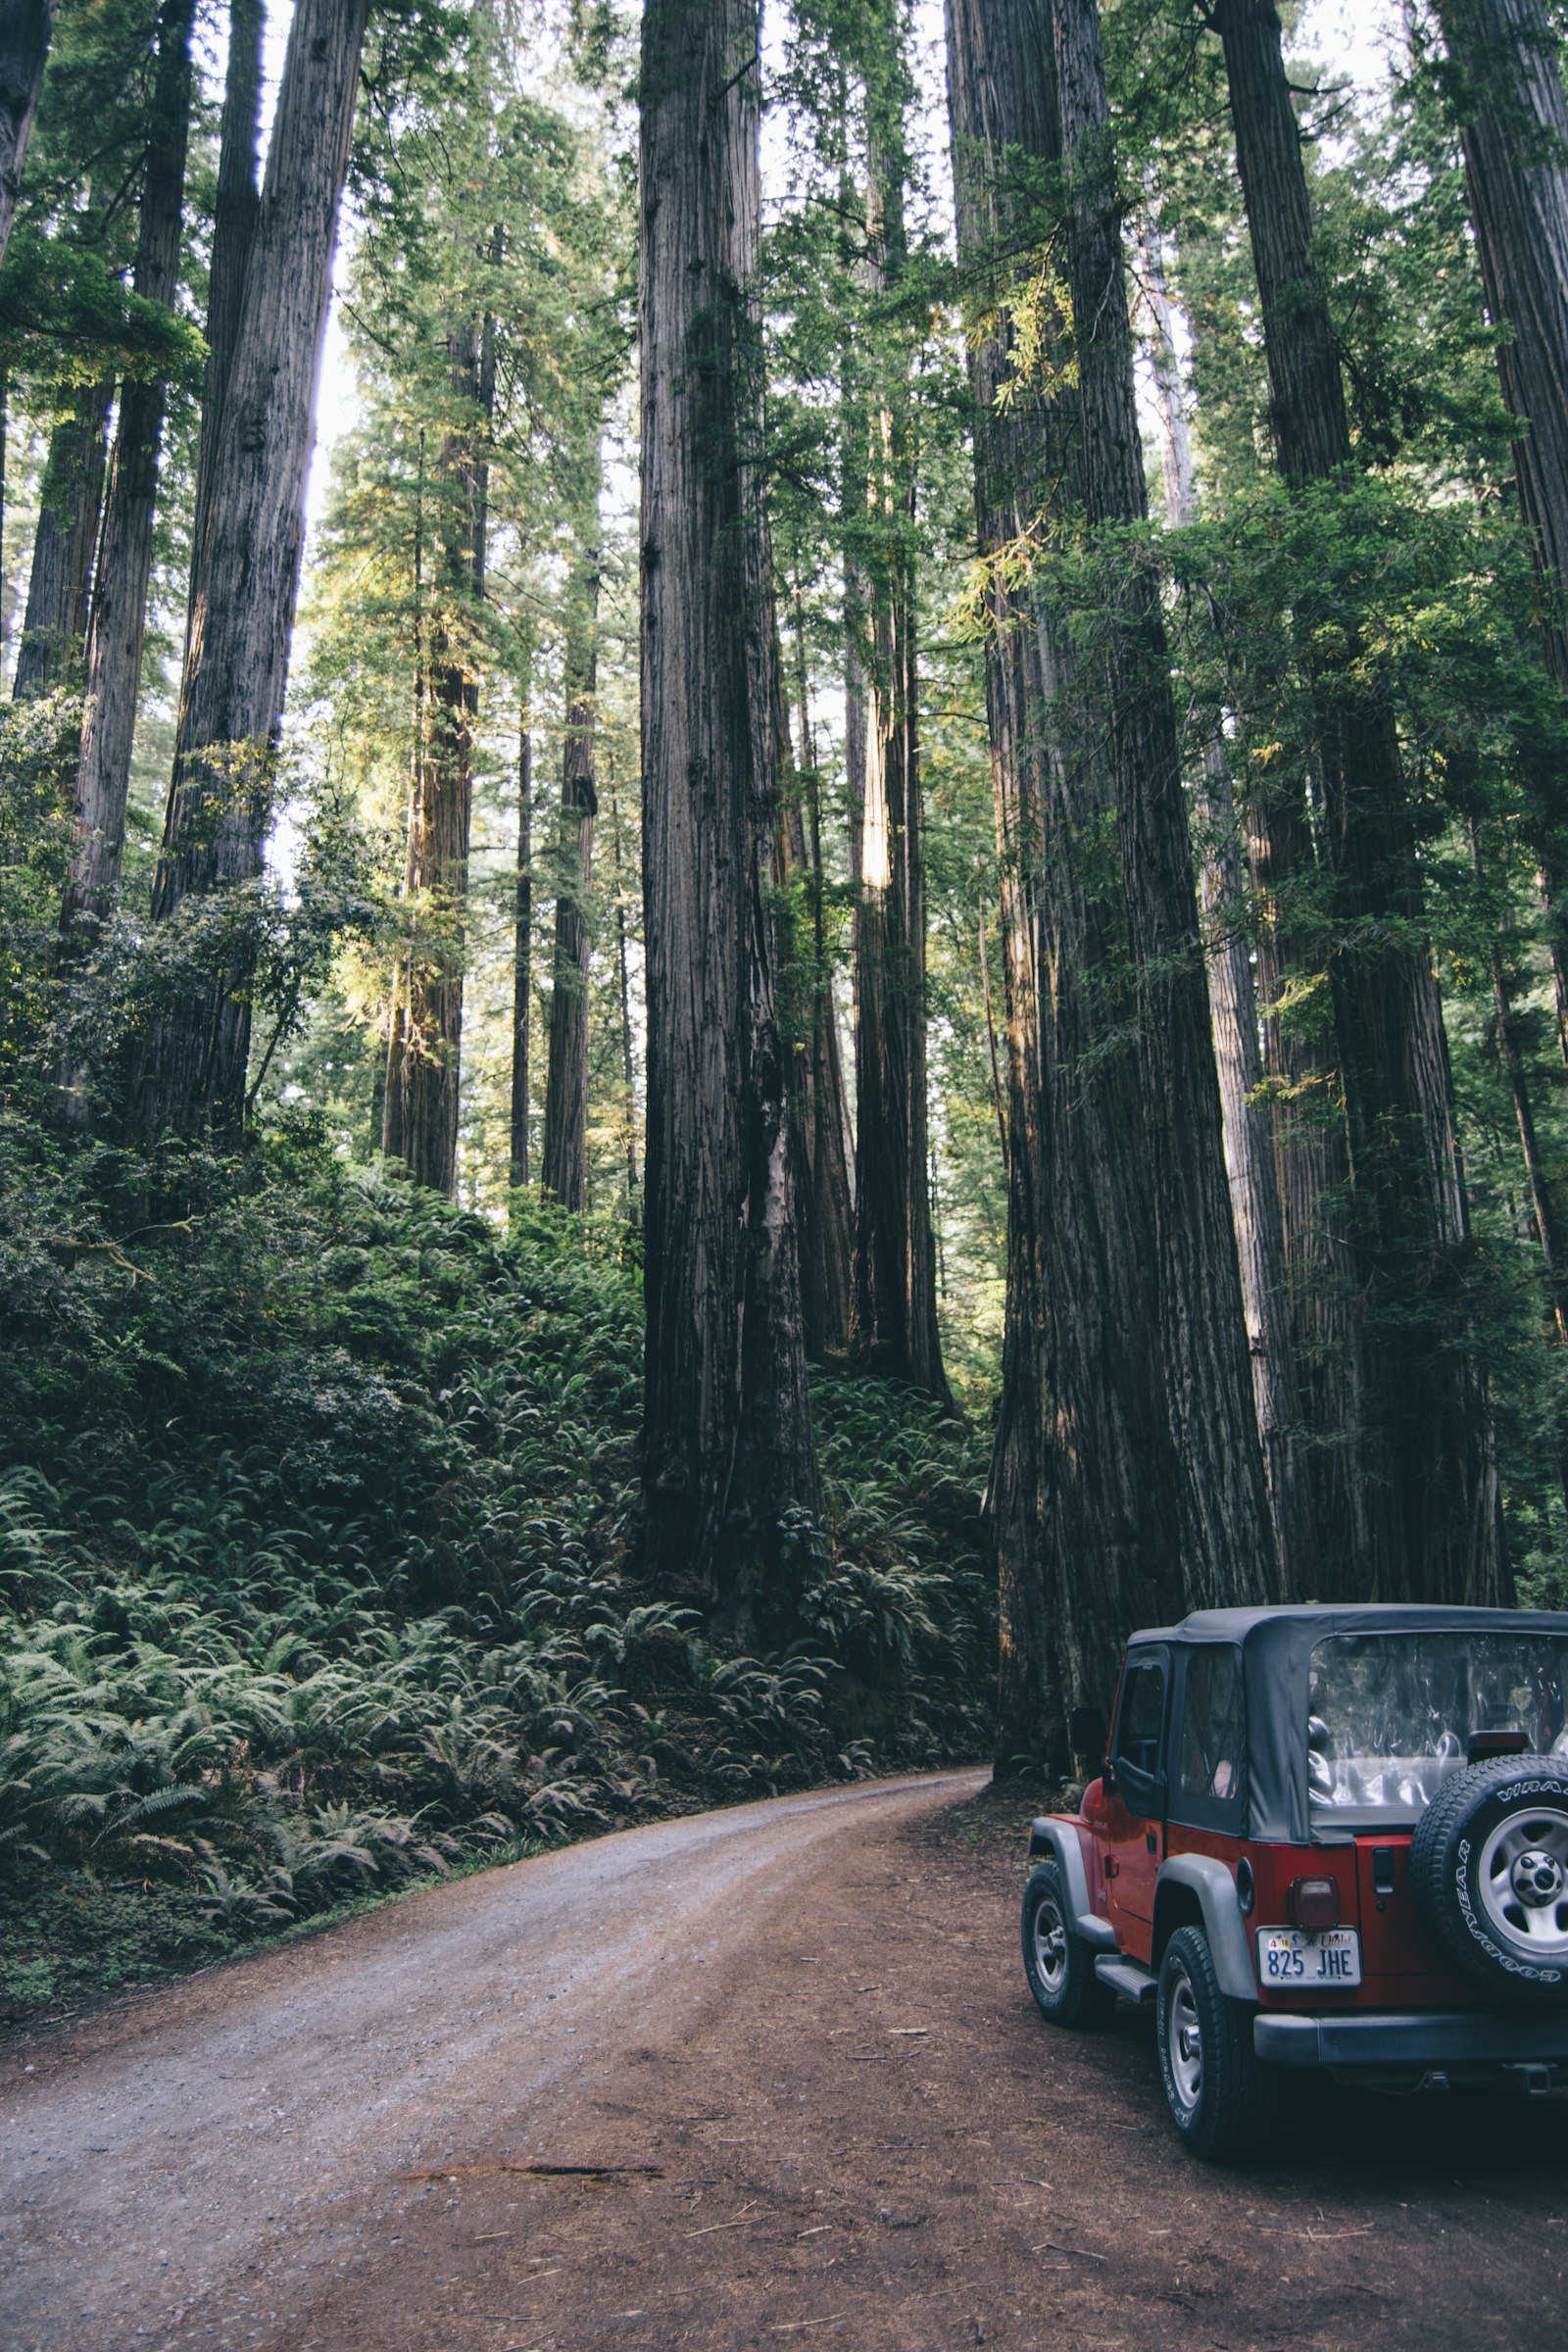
{"x":1489,"y":1866}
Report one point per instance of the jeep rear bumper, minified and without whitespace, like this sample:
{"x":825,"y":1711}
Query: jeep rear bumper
{"x":1425,"y":2040}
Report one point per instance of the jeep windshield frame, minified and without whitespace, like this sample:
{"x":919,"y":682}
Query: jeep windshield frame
{"x":1277,"y":1648}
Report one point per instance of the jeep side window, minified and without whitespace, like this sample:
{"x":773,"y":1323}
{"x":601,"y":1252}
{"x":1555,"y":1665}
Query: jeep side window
{"x":1143,"y":1718}
{"x":1211,"y":1726}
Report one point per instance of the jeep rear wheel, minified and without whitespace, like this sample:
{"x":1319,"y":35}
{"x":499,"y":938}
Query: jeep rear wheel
{"x":1221,"y":2098}
{"x":1059,"y":1964}
{"x":1489,"y":1866}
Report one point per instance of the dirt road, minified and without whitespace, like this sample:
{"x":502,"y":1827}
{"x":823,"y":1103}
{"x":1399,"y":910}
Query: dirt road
{"x":809,"y":2020}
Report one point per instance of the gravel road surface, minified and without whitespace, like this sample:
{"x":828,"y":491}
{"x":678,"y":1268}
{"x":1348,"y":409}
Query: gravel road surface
{"x":801,"y":2032}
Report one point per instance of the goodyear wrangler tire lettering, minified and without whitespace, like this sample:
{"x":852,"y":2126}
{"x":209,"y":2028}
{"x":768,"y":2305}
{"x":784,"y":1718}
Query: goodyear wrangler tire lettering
{"x":1489,"y":1866}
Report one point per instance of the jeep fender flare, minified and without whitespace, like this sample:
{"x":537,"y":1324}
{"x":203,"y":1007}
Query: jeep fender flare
{"x":1062,"y":1841}
{"x":1220,"y":1910}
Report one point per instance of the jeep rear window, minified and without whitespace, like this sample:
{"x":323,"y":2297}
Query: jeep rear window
{"x":1393,"y":1714}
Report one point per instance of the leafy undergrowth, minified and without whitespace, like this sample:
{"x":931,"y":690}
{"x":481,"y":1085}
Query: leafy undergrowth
{"x":315,"y":1509}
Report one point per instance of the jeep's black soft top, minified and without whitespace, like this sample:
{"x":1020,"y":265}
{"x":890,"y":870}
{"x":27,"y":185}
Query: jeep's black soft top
{"x":1276,"y":1646}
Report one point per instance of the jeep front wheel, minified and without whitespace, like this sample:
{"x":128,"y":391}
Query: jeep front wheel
{"x":1221,"y":2098}
{"x":1059,"y":1964}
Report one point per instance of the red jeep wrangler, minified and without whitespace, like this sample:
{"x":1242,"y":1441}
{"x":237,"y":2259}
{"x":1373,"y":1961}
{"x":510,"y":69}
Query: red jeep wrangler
{"x":1329,"y":1837}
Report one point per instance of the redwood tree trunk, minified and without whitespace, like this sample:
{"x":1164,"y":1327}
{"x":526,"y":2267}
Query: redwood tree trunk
{"x":829,"y":1192}
{"x":1233,"y":1004}
{"x":1551,"y":1232}
{"x":1507,"y":93}
{"x":523,"y":936}
{"x":59,"y":585}
{"x":27,"y":27}
{"x":234,"y":216}
{"x":1313,"y":1166}
{"x":564,"y":1170}
{"x":125,"y":569}
{"x":1083,"y":1482}
{"x":242,"y":609}
{"x":727,"y":1464}
{"x":1438,"y":1531}
{"x":1227,"y":1540}
{"x":628,"y":1067}
{"x":818,"y":1114}
{"x":894,"y":1326}
{"x":424,"y":1066}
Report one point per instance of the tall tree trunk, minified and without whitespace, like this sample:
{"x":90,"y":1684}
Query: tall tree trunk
{"x":1233,"y":1006}
{"x":1227,"y":1538}
{"x":1508,"y":94}
{"x":1082,"y":1494}
{"x":727,"y":1462}
{"x":242,"y":612}
{"x":424,"y":1066}
{"x":564,"y":1171}
{"x":1551,"y":1232}
{"x":59,"y":583}
{"x":236,"y":211}
{"x":818,"y":1104}
{"x":522,"y":932}
{"x":27,"y":27}
{"x":5,"y":438}
{"x":1438,"y":1525}
{"x":624,"y":976}
{"x":125,"y":569}
{"x":1312,"y":1168}
{"x":894,"y":1326}
{"x":818,"y":1110}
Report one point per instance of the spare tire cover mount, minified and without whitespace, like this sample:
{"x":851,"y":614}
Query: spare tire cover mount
{"x":1489,"y":1865}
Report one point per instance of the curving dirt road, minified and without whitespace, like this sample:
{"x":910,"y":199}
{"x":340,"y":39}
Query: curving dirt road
{"x":808,"y":2021}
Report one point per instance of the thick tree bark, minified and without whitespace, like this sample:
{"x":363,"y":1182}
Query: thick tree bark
{"x":1254,"y":1191}
{"x":829,"y":1259}
{"x":1233,"y":1006}
{"x":628,"y":1066}
{"x":54,"y":624}
{"x":125,"y":569}
{"x":235,"y":214}
{"x":1551,"y":1232}
{"x":727,"y":1463}
{"x":1507,"y":95}
{"x":424,"y":1063}
{"x":1227,"y":1539}
{"x":818,"y":1114}
{"x":1313,"y":1166}
{"x":1437,"y":1525}
{"x":563,"y":1169}
{"x":523,"y":936}
{"x":1083,"y":1484}
{"x":242,"y":611}
{"x":5,"y":437}
{"x":27,"y":27}
{"x":894,"y":1325}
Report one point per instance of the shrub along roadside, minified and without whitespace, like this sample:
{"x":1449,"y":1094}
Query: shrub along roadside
{"x":316,"y":1500}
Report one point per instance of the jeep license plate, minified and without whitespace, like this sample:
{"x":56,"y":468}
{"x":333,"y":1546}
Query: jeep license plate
{"x":1291,"y":1956}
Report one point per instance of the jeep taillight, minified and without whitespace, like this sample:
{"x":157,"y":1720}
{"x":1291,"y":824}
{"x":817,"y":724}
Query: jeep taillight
{"x":1316,"y":1904}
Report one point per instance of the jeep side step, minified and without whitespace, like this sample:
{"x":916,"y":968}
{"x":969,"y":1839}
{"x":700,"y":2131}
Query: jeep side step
{"x":1129,"y":1978}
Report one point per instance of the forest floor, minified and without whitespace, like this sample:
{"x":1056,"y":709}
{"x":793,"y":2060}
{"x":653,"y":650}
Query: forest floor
{"x":802,"y":2029}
